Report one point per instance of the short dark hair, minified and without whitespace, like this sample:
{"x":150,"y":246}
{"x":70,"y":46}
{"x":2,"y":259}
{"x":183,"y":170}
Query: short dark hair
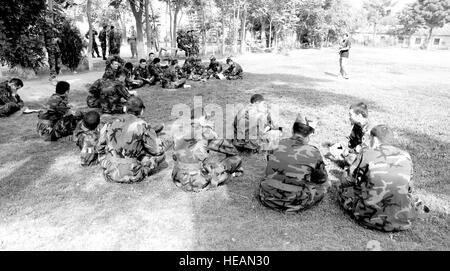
{"x":62,"y":87}
{"x":256,"y":98}
{"x":302,"y":129}
{"x":383,"y":133}
{"x":229,"y":60}
{"x":135,"y":105}
{"x":151,"y":53}
{"x":129,"y":65}
{"x":112,"y":26}
{"x":156,"y":60}
{"x":360,"y":108}
{"x":91,"y":120}
{"x":17,"y":82}
{"x":142,"y":60}
{"x":105,"y":26}
{"x":174,"y":61}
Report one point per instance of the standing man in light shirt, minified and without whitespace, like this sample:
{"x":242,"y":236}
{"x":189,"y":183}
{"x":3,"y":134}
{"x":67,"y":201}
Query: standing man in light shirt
{"x":344,"y":49}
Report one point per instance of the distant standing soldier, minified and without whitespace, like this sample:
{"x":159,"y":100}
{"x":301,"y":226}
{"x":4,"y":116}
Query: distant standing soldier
{"x":115,"y":40}
{"x":111,"y":40}
{"x":343,"y":55}
{"x":132,"y":41}
{"x":102,"y":37}
{"x":53,"y":50}
{"x":296,"y":178}
{"x":377,"y":190}
{"x":94,"y":42}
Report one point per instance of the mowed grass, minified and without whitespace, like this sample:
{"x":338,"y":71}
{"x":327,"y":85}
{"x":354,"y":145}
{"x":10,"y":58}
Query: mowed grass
{"x":48,"y":201}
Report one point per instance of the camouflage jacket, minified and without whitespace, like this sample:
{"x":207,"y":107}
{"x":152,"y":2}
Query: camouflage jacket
{"x":155,"y":70}
{"x":111,"y":74}
{"x":6,"y":95}
{"x":250,"y":127}
{"x":129,"y":137}
{"x":171,"y":74}
{"x":234,"y":70}
{"x":87,"y":141}
{"x":381,"y":183}
{"x":102,"y":36}
{"x":141,"y":73}
{"x":215,"y":66}
{"x":56,"y":107}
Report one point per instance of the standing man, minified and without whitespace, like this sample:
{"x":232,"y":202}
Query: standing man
{"x":343,"y":55}
{"x":132,"y":41}
{"x":94,"y":42}
{"x":102,"y":38}
{"x":51,"y":44}
{"x":117,"y":41}
{"x":111,"y":40}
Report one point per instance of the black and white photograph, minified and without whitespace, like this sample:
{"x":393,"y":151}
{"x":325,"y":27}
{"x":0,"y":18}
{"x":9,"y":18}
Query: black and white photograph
{"x":225,"y":126}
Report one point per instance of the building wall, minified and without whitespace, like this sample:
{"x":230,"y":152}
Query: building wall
{"x":415,"y":41}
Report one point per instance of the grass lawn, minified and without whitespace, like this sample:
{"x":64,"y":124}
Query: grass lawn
{"x":49,"y":202}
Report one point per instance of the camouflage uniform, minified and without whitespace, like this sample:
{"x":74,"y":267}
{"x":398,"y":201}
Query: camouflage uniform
{"x":296,"y":178}
{"x":187,"y":67}
{"x":198,"y":71}
{"x":142,"y":75}
{"x":102,"y":37}
{"x":54,"y":120}
{"x":170,"y":79}
{"x":9,"y":103}
{"x":129,"y":150}
{"x":108,"y":95}
{"x":115,"y":40}
{"x":155,"y":72}
{"x":214,"y":68}
{"x":234,"y":72}
{"x":203,"y":161}
{"x":87,"y":141}
{"x":378,"y":192}
{"x":244,"y":130}
{"x":53,"y":50}
{"x":94,"y":42}
{"x":111,"y":74}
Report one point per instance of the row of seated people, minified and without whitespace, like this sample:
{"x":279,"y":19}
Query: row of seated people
{"x":376,"y":188}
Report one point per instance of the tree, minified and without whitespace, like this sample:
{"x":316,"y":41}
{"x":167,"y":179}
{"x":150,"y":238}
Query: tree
{"x":89,"y":17}
{"x":429,"y":14}
{"x":377,"y":10}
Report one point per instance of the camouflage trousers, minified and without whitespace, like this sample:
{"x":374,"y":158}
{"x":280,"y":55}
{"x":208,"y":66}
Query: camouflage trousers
{"x":53,"y":130}
{"x":8,"y":109}
{"x":129,"y":170}
{"x":371,"y":216}
{"x":54,"y":61}
{"x":103,"y":103}
{"x":103,"y":45}
{"x":174,"y":85}
{"x":290,"y":198}
{"x":215,"y":170}
{"x":268,"y":142}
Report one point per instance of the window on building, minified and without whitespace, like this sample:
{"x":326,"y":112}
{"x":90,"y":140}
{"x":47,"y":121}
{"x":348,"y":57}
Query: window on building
{"x":418,"y":40}
{"x":436,"y":41}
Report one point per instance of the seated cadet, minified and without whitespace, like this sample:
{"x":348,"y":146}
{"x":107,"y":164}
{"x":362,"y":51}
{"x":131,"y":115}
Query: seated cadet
{"x":359,"y":118}
{"x":129,"y":82}
{"x":171,"y":78}
{"x":129,"y":149}
{"x":198,"y":71}
{"x":155,"y":71}
{"x":296,"y":178}
{"x":57,"y":120}
{"x":141,"y":74}
{"x":377,"y":191}
{"x":109,"y":95}
{"x":10,"y":101}
{"x":214,"y":69}
{"x":188,"y":67}
{"x":234,"y":70}
{"x":201,"y":160}
{"x":151,"y":57}
{"x":112,"y":70}
{"x":255,"y":129}
{"x":86,"y":136}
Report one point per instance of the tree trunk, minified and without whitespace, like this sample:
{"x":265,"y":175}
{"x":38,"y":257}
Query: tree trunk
{"x":203,"y":27}
{"x":139,"y":33}
{"x":147,"y":27}
{"x":223,"y":32}
{"x":374,"y":33}
{"x":236,"y":29}
{"x":123,"y":26}
{"x":243,"y":29}
{"x":263,"y":31}
{"x":430,"y":41}
{"x":169,"y":6}
{"x":155,"y":30}
{"x":174,"y":31}
{"x":89,"y":54}
{"x":270,"y":33}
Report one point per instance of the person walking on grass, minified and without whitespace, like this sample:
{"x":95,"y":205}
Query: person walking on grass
{"x":344,"y":49}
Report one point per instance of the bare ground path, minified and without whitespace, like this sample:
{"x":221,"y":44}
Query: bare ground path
{"x":49,"y":202}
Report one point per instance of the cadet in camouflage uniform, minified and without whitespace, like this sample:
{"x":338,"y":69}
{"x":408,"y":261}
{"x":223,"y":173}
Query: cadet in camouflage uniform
{"x":296,"y":178}
{"x":214,"y":68}
{"x":255,"y":129}
{"x":141,"y":74}
{"x":115,"y":41}
{"x":198,"y":71}
{"x":359,"y":118}
{"x":188,"y":67}
{"x":171,"y":77}
{"x":377,"y":192}
{"x":10,"y":101}
{"x":129,"y":149}
{"x":201,"y":160}
{"x":113,"y":68}
{"x":111,"y":95}
{"x":94,"y":43}
{"x":53,"y":50}
{"x":86,"y":137}
{"x":234,"y":70}
{"x":155,"y":71}
{"x":56,"y":120}
{"x":102,"y":37}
